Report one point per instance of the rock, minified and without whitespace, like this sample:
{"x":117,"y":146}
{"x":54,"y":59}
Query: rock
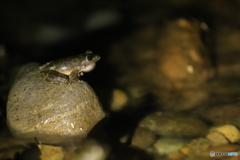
{"x":174,"y":52}
{"x":166,"y":146}
{"x":217,"y":138}
{"x":51,"y":113}
{"x":221,"y":114}
{"x":176,"y":155}
{"x":174,"y":125}
{"x":172,"y":56}
{"x":180,"y":100}
{"x":51,"y":152}
{"x":142,"y":138}
{"x":91,"y":150}
{"x":229,"y":131}
{"x":196,"y":146}
{"x":119,"y":100}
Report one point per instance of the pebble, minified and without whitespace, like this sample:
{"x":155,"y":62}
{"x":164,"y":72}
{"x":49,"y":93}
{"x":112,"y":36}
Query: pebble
{"x":217,"y":138}
{"x":119,"y":100}
{"x":142,"y":138}
{"x":51,"y":152}
{"x":196,"y":146}
{"x":166,"y":145}
{"x":229,"y":131}
{"x":221,"y":114}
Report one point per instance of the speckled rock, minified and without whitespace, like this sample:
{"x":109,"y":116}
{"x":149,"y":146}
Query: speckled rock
{"x":174,"y":125}
{"x":51,"y":113}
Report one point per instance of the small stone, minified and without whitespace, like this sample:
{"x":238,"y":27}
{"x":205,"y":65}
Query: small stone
{"x":166,"y":146}
{"x":51,"y":152}
{"x":196,"y":146}
{"x":176,"y":155}
{"x":91,"y":150}
{"x":142,"y":138}
{"x":229,"y":131}
{"x":221,"y":114}
{"x":119,"y":99}
{"x":217,"y":138}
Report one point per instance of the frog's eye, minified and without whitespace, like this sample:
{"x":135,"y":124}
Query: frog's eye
{"x":89,"y":57}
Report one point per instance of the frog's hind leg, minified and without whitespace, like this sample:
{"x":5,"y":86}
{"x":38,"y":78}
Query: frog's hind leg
{"x":74,"y":76}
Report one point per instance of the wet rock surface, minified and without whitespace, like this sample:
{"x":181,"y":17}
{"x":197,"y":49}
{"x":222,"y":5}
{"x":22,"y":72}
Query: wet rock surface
{"x":51,"y":113}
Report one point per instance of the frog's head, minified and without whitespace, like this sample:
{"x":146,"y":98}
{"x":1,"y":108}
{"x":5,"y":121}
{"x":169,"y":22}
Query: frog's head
{"x":89,"y":62}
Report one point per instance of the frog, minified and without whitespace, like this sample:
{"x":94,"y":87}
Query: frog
{"x":69,"y":69}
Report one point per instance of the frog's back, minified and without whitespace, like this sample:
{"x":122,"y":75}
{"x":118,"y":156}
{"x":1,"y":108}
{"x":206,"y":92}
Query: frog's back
{"x":62,"y":64}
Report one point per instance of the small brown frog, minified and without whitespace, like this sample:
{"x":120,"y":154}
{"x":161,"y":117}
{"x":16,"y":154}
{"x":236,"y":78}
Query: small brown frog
{"x":70,"y":68}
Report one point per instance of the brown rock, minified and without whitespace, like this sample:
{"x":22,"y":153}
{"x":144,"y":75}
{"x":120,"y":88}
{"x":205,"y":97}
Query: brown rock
{"x":221,"y":114}
{"x":166,"y":145}
{"x":217,"y":138}
{"x":171,"y":56}
{"x":51,"y":152}
{"x":119,"y":100}
{"x":229,"y":131}
{"x":196,"y":146}
{"x":176,"y":155}
{"x":142,"y":138}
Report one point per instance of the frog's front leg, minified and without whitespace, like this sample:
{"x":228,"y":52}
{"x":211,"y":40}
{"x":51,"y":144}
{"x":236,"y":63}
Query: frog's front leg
{"x":80,"y":74}
{"x":74,"y":76}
